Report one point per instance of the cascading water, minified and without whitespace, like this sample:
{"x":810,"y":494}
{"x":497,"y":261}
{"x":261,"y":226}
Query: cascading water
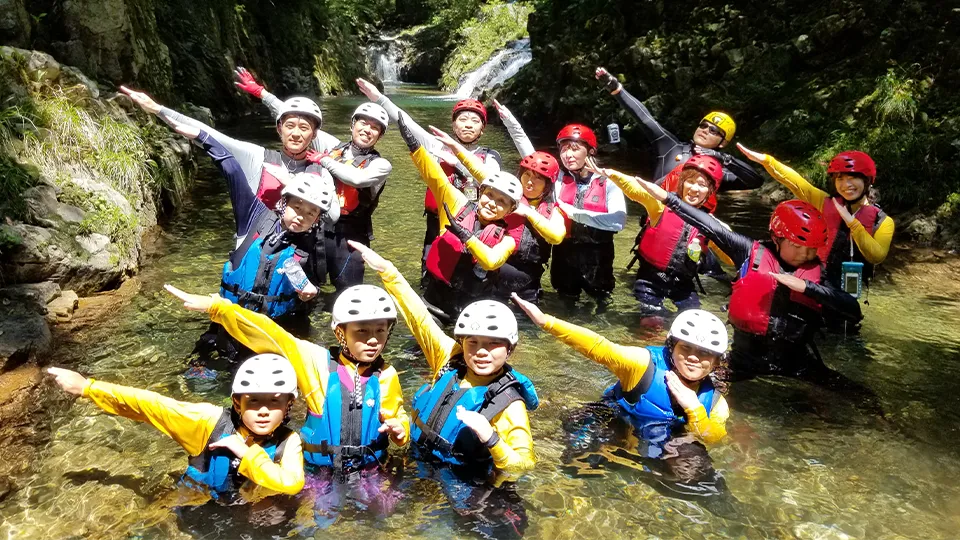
{"x":384,"y":58}
{"x":504,"y":64}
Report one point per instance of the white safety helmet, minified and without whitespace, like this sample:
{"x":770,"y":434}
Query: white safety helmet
{"x":700,"y":328}
{"x":362,"y":303}
{"x":488,"y":318}
{"x":373,"y":112}
{"x":265,"y":374}
{"x":301,"y":106}
{"x":310,"y":188}
{"x":505,"y":183}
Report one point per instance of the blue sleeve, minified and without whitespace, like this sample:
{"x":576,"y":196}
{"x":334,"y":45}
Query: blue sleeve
{"x":244,"y":201}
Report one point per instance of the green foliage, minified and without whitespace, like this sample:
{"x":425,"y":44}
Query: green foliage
{"x":14,"y":180}
{"x":108,"y":219}
{"x":479,"y":37}
{"x":112,"y":149}
{"x":10,"y":239}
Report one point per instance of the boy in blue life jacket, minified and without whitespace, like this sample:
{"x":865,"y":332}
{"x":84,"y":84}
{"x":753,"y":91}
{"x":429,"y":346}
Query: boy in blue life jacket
{"x":243,"y":453}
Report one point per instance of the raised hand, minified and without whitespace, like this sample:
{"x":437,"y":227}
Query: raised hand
{"x":235,"y":443}
{"x":842,"y":210}
{"x":143,"y":100}
{"x":791,"y":282}
{"x":684,"y":396}
{"x":609,"y":81}
{"x":247,"y":83}
{"x":69,"y":381}
{"x":753,"y":156}
{"x":477,"y":422}
{"x":531,"y":309}
{"x":369,"y":89}
{"x":591,"y":165}
{"x":502,"y":110}
{"x":314,"y":156}
{"x":444,"y":138}
{"x":371,"y":257}
{"x":412,"y":143}
{"x":457,"y":229}
{"x":193,"y":302}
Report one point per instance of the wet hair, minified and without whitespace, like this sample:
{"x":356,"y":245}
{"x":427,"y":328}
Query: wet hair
{"x":687,"y":461}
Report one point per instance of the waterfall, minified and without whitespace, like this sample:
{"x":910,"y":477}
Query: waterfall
{"x":504,"y":64}
{"x":384,"y":59}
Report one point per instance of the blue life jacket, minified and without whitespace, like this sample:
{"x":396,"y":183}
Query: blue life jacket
{"x":651,"y":400}
{"x":216,"y":469}
{"x":257,"y":282}
{"x":346,"y":435}
{"x":436,"y":432}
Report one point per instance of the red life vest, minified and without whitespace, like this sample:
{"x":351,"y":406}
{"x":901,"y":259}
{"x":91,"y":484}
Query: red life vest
{"x":349,"y":196}
{"x":447,"y":249}
{"x":594,"y":198}
{"x":532,"y":248}
{"x":664,"y":245}
{"x":758,"y":299}
{"x":454,"y":176}
{"x":672,"y":181}
{"x":839,"y":233}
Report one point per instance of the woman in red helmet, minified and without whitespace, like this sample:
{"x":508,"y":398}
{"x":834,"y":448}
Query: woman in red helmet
{"x":779,"y":294}
{"x":542,"y":226}
{"x":670,"y":250}
{"x":858,"y":230}
{"x":595,"y":211}
{"x":469,"y":119}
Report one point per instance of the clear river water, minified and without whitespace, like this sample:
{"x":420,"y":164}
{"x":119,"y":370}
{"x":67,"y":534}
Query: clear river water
{"x":799,"y":461}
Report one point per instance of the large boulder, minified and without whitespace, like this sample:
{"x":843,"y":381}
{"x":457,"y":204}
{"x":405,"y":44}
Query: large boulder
{"x":24,"y":333}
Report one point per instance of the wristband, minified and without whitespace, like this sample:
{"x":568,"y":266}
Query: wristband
{"x":493,"y":440}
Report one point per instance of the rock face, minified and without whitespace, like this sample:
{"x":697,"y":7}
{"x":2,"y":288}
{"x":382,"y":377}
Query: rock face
{"x":181,"y":50}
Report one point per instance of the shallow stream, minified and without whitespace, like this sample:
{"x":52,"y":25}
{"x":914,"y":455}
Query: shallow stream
{"x":800,"y":462}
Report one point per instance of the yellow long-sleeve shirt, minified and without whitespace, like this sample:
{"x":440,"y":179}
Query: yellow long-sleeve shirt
{"x":552,"y":229}
{"x":874,"y":247}
{"x":632,"y":189}
{"x":513,"y":454}
{"x":629,"y":364}
{"x":262,"y":335}
{"x":191,"y":424}
{"x":489,"y":258}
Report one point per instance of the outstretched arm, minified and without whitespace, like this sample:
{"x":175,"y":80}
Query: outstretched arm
{"x":662,"y":140}
{"x":515,"y":130}
{"x":437,"y":347}
{"x":421,"y":135}
{"x":627,"y":363}
{"x":791,"y":179}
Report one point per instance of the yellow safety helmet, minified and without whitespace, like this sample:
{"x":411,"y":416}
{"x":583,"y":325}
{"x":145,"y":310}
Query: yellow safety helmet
{"x":723,"y":121}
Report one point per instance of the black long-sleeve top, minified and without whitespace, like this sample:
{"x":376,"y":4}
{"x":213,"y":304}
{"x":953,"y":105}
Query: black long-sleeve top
{"x":737,"y":174}
{"x":738,"y":248}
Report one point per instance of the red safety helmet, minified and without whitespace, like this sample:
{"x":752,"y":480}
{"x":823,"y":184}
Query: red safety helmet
{"x":470,"y":105}
{"x":853,"y":161}
{"x":542,"y":163}
{"x":578,"y":132}
{"x":800,"y":222}
{"x":707,"y":165}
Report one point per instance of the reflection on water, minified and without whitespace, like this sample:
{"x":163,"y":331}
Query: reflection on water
{"x":800,"y":461}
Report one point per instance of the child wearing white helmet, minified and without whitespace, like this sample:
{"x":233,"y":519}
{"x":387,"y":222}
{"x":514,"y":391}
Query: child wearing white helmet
{"x":353,"y":396}
{"x":654,"y":382}
{"x":473,"y":412}
{"x":475,"y":238}
{"x":247,"y":445}
{"x":269,"y":243}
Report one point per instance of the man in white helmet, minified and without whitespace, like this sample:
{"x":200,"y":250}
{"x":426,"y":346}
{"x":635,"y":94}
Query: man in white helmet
{"x":247,"y":445}
{"x":656,"y":382}
{"x":265,"y":171}
{"x":353,"y":395}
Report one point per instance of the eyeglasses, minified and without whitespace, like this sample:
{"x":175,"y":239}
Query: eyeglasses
{"x":714,"y":130}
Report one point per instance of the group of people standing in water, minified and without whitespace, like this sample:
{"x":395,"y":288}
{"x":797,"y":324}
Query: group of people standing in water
{"x":305,"y":214}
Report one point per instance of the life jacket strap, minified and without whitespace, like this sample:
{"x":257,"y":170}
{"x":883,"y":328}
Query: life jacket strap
{"x":247,"y":297}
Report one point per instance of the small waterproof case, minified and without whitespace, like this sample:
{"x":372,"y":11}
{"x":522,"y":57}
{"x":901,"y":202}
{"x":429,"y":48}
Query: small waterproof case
{"x":853,"y":278}
{"x":613,"y":131}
